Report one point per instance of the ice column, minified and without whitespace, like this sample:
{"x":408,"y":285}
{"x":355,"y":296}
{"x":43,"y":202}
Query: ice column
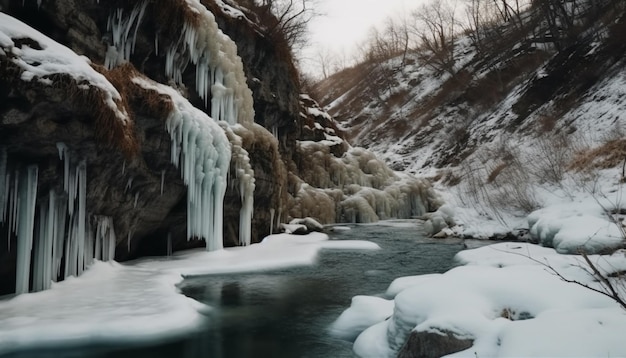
{"x":105,"y":238}
{"x":25,"y":226}
{"x":4,"y":185}
{"x":244,"y":177}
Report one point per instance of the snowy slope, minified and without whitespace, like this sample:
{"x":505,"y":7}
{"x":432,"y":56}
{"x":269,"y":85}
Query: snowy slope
{"x":506,"y":134}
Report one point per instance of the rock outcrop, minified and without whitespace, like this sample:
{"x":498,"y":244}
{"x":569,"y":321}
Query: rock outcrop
{"x":433,"y":345}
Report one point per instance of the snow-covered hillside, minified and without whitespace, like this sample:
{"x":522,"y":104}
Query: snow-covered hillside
{"x":504,"y":133}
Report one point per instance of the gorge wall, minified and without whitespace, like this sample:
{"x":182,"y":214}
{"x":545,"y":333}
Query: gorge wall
{"x":91,"y":137}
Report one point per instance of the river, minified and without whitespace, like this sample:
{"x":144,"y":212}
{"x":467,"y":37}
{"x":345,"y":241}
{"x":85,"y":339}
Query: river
{"x":287,"y":313}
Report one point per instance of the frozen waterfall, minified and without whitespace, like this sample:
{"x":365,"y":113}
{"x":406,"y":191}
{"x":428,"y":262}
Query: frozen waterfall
{"x":53,"y":231}
{"x":196,"y":145}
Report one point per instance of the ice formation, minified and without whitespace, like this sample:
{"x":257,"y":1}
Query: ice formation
{"x":54,"y":231}
{"x":220,"y":76}
{"x":244,"y":181}
{"x":202,"y":152}
{"x":123,"y":34}
{"x":356,"y":187}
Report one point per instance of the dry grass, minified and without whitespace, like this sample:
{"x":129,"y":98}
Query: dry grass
{"x":109,"y":128}
{"x":151,"y":102}
{"x":608,"y":155}
{"x":496,"y":171}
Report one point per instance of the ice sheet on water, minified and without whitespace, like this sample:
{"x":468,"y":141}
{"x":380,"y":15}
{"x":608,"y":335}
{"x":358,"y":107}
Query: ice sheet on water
{"x":108,"y":302}
{"x":274,"y":252}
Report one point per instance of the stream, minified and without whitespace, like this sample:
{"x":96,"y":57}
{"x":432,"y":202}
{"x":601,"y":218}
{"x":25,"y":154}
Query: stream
{"x":287,"y":313}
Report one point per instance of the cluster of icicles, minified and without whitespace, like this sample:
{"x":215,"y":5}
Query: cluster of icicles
{"x":196,"y":146}
{"x":220,"y":76}
{"x":55,"y":232}
{"x":58,"y":234}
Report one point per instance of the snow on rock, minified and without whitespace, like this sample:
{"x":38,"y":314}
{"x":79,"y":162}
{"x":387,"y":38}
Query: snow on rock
{"x":364,"y":311}
{"x":507,"y":302}
{"x":40,"y":57}
{"x":584,"y":225}
{"x":438,"y":223}
{"x":296,"y":229}
{"x":202,"y":151}
{"x":310,"y":223}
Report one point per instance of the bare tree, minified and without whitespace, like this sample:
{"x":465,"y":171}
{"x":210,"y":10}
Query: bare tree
{"x":435,"y":26}
{"x":324,"y":60}
{"x":286,"y":18}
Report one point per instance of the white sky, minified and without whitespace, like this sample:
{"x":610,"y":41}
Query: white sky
{"x":345,"y":23}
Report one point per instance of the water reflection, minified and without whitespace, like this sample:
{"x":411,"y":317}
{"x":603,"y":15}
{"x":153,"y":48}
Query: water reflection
{"x":287,"y":313}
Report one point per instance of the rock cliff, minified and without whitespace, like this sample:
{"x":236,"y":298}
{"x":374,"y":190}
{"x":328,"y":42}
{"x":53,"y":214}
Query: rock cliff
{"x":107,"y":140}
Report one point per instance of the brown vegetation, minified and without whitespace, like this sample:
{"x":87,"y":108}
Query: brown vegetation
{"x":608,"y":155}
{"x":111,"y":128}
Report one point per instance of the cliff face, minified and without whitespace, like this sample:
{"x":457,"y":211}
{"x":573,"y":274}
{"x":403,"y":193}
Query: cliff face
{"x":135,"y":183}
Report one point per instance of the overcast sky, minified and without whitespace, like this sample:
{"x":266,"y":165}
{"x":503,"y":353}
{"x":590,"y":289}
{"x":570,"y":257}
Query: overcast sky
{"x":345,"y":23}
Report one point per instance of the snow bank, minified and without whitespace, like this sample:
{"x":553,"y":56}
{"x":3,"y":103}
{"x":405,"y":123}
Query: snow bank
{"x":274,"y":252}
{"x":109,"y":302}
{"x":364,"y":312}
{"x":507,"y":303}
{"x":574,"y":226}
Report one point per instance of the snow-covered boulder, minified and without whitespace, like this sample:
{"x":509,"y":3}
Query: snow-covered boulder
{"x":294,"y":229}
{"x":437,"y":224}
{"x":503,"y":302}
{"x":310,"y":223}
{"x":573,"y":227}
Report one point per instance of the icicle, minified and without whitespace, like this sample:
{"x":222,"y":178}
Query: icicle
{"x":82,"y":207}
{"x":169,"y":244}
{"x":61,"y":211}
{"x":130,"y":234}
{"x":272,"y":211}
{"x":202,"y":153}
{"x":105,"y":238}
{"x":43,"y":267}
{"x":162,"y":180}
{"x":136,"y":199}
{"x":123,"y":168}
{"x":15,"y":200}
{"x":129,"y":185}
{"x":4,"y":185}
{"x":123,"y":34}
{"x":26,"y":222}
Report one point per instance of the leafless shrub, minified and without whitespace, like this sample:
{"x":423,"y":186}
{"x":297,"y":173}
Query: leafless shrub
{"x":550,"y":158}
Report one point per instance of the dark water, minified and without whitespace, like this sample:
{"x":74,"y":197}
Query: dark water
{"x":286,"y":313}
